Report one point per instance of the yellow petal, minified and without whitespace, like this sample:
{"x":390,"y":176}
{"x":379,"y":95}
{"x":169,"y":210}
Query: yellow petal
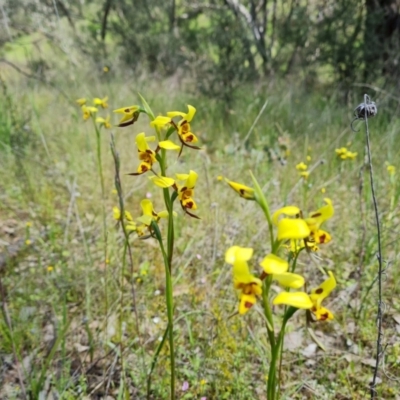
{"x":81,"y":102}
{"x":128,"y":216}
{"x":246,"y":302}
{"x":163,"y":214}
{"x":141,"y":142}
{"x":127,"y":110}
{"x":145,"y":219}
{"x":182,"y":177}
{"x":323,"y":290}
{"x":273,"y":264}
{"x":295,"y":299}
{"x":131,"y":226}
{"x":169,"y":145}
{"x":116,"y":213}
{"x":172,"y":114}
{"x":242,"y":275}
{"x":160,"y":121}
{"x":290,"y":211}
{"x":292,"y":229}
{"x":191,"y":180}
{"x":324,"y":213}
{"x":243,"y":191}
{"x":237,"y":253}
{"x":162,"y":181}
{"x":287,"y":279}
{"x":147,"y":207}
{"x":191,"y":113}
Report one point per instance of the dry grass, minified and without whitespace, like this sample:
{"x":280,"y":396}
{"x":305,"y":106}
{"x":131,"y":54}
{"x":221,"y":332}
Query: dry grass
{"x":63,"y":295}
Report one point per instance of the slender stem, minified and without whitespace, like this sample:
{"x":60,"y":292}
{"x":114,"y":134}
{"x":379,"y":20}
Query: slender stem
{"x":101,"y":178}
{"x":170,"y":307}
{"x":268,"y":311}
{"x":271,"y":389}
{"x":373,"y":392}
{"x":168,"y":270}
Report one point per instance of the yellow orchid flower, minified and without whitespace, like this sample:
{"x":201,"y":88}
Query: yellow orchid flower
{"x":81,"y":102}
{"x":130,"y":115}
{"x":313,"y":301}
{"x":149,"y":214}
{"x":319,"y":294}
{"x":88,"y":111}
{"x":243,"y":191}
{"x":307,"y":229}
{"x":100,"y":102}
{"x":183,"y":126}
{"x":146,"y":155}
{"x":186,"y":192}
{"x":250,"y":287}
{"x":104,"y":122}
{"x":130,"y":225}
{"x":317,"y":235}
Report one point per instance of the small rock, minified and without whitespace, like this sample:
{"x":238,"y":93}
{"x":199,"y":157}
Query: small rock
{"x":310,"y":350}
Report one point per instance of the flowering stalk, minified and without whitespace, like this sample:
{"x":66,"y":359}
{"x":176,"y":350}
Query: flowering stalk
{"x":301,"y":233}
{"x":151,"y":161}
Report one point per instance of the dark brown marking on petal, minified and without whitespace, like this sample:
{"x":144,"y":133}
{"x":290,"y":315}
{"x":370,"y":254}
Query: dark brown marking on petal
{"x":127,"y":110}
{"x":319,"y":291}
{"x":263,"y":275}
{"x":189,"y":138}
{"x":322,"y":238}
{"x":316,"y":215}
{"x":247,"y":304}
{"x":189,"y":204}
{"x":314,"y":309}
{"x":324,"y":317}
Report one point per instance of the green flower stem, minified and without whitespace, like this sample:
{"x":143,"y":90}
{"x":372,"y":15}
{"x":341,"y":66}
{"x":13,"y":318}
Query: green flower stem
{"x":268,"y":311}
{"x":101,"y":177}
{"x":271,"y":388}
{"x":168,"y":269}
{"x":99,"y":159}
{"x":170,"y":307}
